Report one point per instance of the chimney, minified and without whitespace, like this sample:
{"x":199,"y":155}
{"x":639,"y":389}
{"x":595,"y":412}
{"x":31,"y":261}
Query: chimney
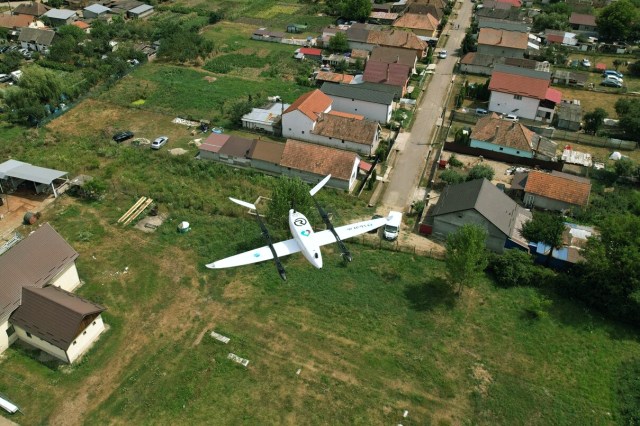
{"x":496,"y":134}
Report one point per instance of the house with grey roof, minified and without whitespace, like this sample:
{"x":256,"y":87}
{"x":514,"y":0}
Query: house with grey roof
{"x":60,"y":17}
{"x":352,"y":98}
{"x":37,"y":277}
{"x":36,"y":39}
{"x":482,"y":203}
{"x":141,"y":11}
{"x":94,"y":11}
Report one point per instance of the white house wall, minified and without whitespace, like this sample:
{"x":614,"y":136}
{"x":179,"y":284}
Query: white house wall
{"x":370,"y":110}
{"x":85,"y":339}
{"x":5,"y":340}
{"x":362,"y":149}
{"x":68,"y":279}
{"x":296,"y":125}
{"x":41,"y":344}
{"x":505,"y":103}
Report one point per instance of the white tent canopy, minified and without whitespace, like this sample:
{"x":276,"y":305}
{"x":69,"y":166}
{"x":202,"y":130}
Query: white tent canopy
{"x":24,"y":171}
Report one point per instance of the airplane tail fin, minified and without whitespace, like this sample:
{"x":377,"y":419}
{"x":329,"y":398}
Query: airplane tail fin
{"x":243,"y":203}
{"x":319,"y":186}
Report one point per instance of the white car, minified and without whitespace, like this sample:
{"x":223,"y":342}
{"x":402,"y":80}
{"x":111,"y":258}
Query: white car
{"x":442,"y":54}
{"x":511,"y":117}
{"x":159,"y":142}
{"x":586,"y":63}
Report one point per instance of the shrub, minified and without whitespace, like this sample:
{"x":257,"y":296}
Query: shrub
{"x":454,"y":162}
{"x":480,"y":171}
{"x":451,"y":177}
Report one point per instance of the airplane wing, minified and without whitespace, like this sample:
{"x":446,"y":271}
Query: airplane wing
{"x":283,"y":248}
{"x":347,"y":231}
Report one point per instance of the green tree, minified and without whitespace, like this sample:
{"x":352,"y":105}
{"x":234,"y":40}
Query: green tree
{"x":609,"y":278}
{"x":593,"y":120}
{"x":481,"y":171}
{"x":339,"y":42}
{"x":512,"y":268}
{"x":357,"y":10}
{"x":625,"y":167}
{"x":617,"y":63}
{"x":469,"y":43}
{"x":288,"y":193}
{"x":547,"y":228}
{"x":629,"y":112}
{"x":616,"y":21}
{"x":451,"y":177}
{"x":466,"y":256}
{"x":552,"y":21}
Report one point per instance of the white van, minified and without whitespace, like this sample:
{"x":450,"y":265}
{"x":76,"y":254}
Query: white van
{"x":392,"y":227}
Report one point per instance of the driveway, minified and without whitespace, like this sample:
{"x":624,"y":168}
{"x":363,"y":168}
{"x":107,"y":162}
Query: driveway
{"x":414,"y":147}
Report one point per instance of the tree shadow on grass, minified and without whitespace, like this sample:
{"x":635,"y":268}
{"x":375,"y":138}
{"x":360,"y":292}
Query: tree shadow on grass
{"x":433,"y":293}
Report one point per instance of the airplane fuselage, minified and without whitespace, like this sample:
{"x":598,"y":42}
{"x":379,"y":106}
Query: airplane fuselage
{"x":303,"y":234}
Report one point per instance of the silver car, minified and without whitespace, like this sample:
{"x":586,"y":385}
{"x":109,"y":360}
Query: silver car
{"x":159,"y":142}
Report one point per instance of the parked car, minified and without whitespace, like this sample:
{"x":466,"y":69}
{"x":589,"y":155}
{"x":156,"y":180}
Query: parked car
{"x":481,"y":111}
{"x":442,"y":54}
{"x":122,"y":136}
{"x":159,"y":142}
{"x":614,"y":78}
{"x":511,"y":117}
{"x":586,"y":63}
{"x":4,"y":49}
{"x":4,"y":78}
{"x":613,"y":73}
{"x":610,"y":82}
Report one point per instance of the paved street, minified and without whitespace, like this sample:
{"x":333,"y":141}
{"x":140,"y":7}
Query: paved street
{"x":414,"y":146}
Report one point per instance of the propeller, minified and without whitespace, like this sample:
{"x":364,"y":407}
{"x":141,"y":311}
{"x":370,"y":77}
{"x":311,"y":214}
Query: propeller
{"x":346,"y":255}
{"x":265,"y":235}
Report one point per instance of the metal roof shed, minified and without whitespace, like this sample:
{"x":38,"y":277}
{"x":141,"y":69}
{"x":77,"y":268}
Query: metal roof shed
{"x":13,"y":169}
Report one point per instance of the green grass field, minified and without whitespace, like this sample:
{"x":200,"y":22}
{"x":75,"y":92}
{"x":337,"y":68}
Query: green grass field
{"x":374,"y":338}
{"x":371,"y":339}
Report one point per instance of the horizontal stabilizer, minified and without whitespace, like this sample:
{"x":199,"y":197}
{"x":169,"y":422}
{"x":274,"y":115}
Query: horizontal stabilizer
{"x":319,"y":186}
{"x":243,"y":203}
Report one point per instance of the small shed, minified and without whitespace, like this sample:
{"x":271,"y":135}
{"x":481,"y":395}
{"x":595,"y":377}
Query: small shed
{"x":296,"y":28}
{"x":569,"y":116}
{"x":141,"y":11}
{"x":13,"y":173}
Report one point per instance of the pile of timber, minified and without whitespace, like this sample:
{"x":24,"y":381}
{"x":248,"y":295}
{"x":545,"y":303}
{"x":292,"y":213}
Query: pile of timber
{"x":135,"y":211}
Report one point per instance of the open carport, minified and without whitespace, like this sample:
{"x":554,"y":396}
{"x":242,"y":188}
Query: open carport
{"x":13,"y":173}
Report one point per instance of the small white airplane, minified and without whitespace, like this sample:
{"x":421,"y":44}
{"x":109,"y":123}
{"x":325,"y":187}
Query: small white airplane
{"x":304,"y":239}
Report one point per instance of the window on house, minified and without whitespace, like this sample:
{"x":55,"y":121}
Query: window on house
{"x":289,"y":128}
{"x":303,"y":132}
{"x":84,"y":332}
{"x":501,"y":148}
{"x":10,"y":331}
{"x":94,"y":323}
{"x":517,"y":97}
{"x":75,"y":341}
{"x":517,"y":152}
{"x":28,"y":335}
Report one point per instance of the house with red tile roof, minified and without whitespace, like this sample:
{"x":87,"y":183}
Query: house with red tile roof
{"x":12,"y":22}
{"x":422,"y":25}
{"x":556,"y":191}
{"x":523,"y":92}
{"x":384,"y":73}
{"x":312,"y":162}
{"x":367,"y":36}
{"x":498,"y":42}
{"x":493,"y":133}
{"x":513,"y":3}
{"x":311,"y":118}
{"x":583,"y":22}
{"x":308,"y":53}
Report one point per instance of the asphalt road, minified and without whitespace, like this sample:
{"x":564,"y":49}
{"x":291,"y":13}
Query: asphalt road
{"x":414,"y":146}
